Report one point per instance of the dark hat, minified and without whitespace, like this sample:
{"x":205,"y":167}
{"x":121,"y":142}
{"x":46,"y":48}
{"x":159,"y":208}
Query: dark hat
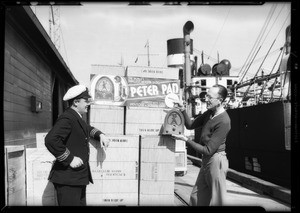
{"x":76,"y":92}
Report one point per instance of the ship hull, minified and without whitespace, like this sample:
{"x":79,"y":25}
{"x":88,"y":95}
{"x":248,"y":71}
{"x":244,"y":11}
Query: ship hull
{"x":259,"y":142}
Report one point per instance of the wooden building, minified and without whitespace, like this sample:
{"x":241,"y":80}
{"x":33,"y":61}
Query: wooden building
{"x":35,"y":78}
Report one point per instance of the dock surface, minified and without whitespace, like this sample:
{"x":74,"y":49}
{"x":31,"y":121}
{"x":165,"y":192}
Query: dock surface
{"x":237,"y":195}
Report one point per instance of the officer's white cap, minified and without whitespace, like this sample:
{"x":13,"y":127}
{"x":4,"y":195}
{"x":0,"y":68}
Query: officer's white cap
{"x":78,"y":91}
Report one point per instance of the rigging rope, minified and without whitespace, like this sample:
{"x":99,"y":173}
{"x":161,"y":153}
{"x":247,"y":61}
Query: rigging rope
{"x":245,"y":94}
{"x":219,"y":32}
{"x":273,"y":68}
{"x":256,"y":44}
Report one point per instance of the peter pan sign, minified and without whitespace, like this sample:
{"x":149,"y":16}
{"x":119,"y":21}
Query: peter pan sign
{"x":149,"y":92}
{"x":132,"y":90}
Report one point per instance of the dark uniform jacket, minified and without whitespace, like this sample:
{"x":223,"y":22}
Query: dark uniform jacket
{"x":69,"y":137}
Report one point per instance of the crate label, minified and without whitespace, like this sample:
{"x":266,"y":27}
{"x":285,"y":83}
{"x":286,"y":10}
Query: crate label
{"x":114,"y":170}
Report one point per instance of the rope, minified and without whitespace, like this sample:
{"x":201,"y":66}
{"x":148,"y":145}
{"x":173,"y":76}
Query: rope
{"x":219,"y":32}
{"x":262,"y":31}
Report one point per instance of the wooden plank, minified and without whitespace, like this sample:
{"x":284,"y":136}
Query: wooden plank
{"x":157,"y":142}
{"x":114,"y":155}
{"x":157,"y":155}
{"x":121,"y":148}
{"x":14,"y":89}
{"x":118,"y":170}
{"x":17,"y":80}
{"x":112,"y":199}
{"x":26,"y":76}
{"x":138,"y":115}
{"x":106,"y":114}
{"x":21,"y":135}
{"x":112,"y":186}
{"x":119,"y":141}
{"x":143,"y":129}
{"x":15,"y":107}
{"x":21,"y":142}
{"x":10,"y":149}
{"x":157,"y":171}
{"x":16,"y":189}
{"x":141,"y":121}
{"x":16,"y":99}
{"x":19,"y":49}
{"x":17,"y":116}
{"x":109,"y":128}
{"x":14,"y":125}
{"x":184,"y":188}
{"x":157,"y":200}
{"x":153,"y":72}
{"x":108,"y":119}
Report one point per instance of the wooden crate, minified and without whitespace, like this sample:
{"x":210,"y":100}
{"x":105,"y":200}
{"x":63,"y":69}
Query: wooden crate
{"x":40,"y":192}
{"x":115,"y":172}
{"x":40,"y":139}
{"x":181,"y":161}
{"x":108,"y":119}
{"x":15,"y":180}
{"x":157,"y":171}
{"x":180,"y":145}
{"x":144,"y":121}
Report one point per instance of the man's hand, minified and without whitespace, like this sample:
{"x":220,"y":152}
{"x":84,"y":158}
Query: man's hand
{"x":76,"y":162}
{"x":104,"y":141}
{"x":179,"y":104}
{"x":180,"y":137}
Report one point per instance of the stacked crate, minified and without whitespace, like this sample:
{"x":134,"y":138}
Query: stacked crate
{"x":40,"y":192}
{"x":40,"y":139}
{"x":157,"y":171}
{"x":115,"y":172}
{"x":15,"y":180}
{"x":144,"y":121}
{"x":180,"y":156}
{"x":108,"y":119}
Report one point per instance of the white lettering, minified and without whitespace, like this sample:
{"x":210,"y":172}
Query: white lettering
{"x":132,"y":91}
{"x":155,"y":90}
{"x":149,"y":90}
{"x":175,"y":88}
{"x":169,"y":88}
{"x":164,"y":89}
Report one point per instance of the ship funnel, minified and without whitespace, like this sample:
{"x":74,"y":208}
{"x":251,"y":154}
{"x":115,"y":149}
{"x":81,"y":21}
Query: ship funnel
{"x":188,"y":27}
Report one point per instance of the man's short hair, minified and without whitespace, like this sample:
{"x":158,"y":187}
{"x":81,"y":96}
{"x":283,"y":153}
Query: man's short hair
{"x":222,"y":91}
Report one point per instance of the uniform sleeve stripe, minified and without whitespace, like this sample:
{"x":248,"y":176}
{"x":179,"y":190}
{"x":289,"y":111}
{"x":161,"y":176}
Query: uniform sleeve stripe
{"x":93,"y":132}
{"x":63,"y":156}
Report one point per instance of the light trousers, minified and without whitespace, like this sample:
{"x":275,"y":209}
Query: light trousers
{"x":210,"y":186}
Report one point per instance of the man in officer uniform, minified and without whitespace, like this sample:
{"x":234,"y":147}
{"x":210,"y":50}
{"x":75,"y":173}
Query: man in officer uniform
{"x":68,"y":141}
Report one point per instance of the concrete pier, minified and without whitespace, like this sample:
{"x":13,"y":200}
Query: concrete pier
{"x":238,"y":195}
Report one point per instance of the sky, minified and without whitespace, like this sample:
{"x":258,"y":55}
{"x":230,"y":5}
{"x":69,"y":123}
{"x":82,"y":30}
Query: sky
{"x":105,"y":33}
